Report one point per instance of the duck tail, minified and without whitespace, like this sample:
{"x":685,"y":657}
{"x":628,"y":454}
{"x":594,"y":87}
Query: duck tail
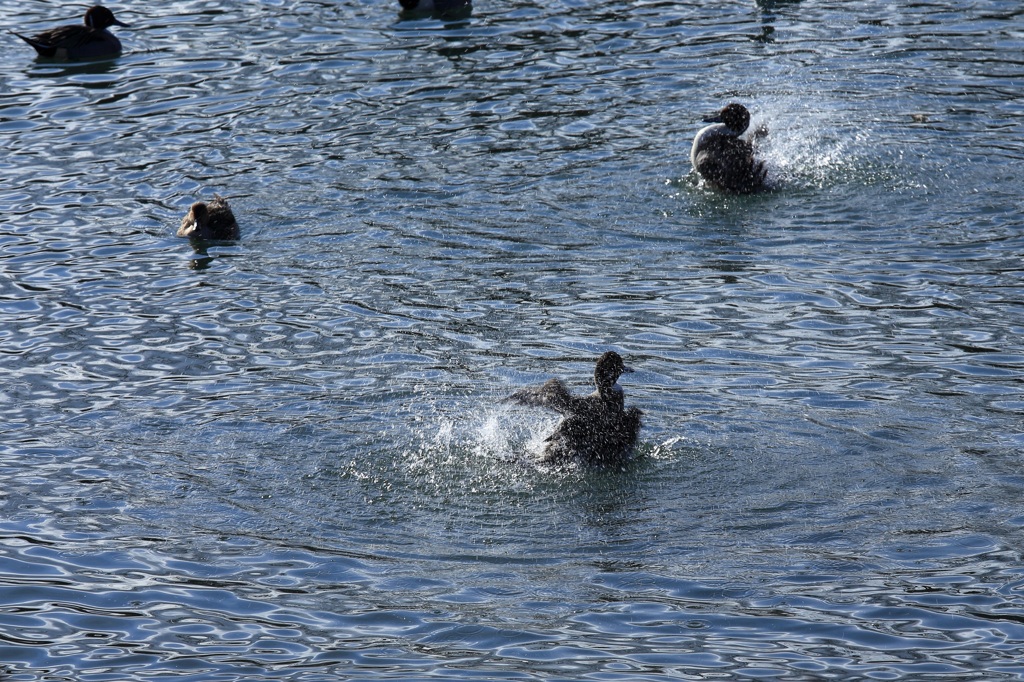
{"x":43,"y":49}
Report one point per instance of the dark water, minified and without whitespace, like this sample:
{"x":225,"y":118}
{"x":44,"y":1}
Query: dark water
{"x":287,"y":458}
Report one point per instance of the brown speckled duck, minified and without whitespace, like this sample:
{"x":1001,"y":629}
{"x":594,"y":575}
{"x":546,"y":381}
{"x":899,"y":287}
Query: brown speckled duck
{"x":88,"y":40}
{"x":596,"y":428}
{"x":210,"y":221}
{"x":723,"y":153}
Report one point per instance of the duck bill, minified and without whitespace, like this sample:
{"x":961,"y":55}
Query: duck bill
{"x":121,"y":23}
{"x":626,"y":369}
{"x":717,"y":118}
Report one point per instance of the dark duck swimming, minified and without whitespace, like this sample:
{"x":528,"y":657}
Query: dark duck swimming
{"x":596,"y":428}
{"x":210,"y":221}
{"x":88,"y":40}
{"x":723,"y":153}
{"x":444,"y":9}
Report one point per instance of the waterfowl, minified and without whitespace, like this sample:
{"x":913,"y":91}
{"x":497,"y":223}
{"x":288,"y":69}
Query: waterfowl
{"x":210,"y":221}
{"x":596,"y":428}
{"x":724,"y":156}
{"x":436,"y":8}
{"x":88,"y":40}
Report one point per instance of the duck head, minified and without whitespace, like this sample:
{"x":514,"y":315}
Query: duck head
{"x":735,"y":117}
{"x":196,"y":221}
{"x":608,"y":370}
{"x":99,"y":18}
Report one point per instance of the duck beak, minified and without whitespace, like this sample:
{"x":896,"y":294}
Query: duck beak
{"x":627,"y":370}
{"x":717,"y":118}
{"x":121,"y":23}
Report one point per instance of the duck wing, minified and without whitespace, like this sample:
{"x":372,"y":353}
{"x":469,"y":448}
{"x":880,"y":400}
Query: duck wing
{"x":85,"y":39}
{"x":44,"y":49}
{"x":552,"y":394}
{"x":70,"y":36}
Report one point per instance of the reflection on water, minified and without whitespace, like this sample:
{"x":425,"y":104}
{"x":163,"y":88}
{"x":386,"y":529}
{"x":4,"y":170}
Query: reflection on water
{"x":289,"y":456}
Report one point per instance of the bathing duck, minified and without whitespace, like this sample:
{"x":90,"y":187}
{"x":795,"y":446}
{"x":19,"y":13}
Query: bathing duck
{"x":436,"y":8}
{"x":209,"y":221}
{"x":724,"y":157}
{"x":88,"y":40}
{"x":596,"y":428}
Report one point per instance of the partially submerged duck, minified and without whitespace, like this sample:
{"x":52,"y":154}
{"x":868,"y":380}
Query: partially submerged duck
{"x":446,"y":9}
{"x":210,"y":221}
{"x":723,"y":153}
{"x":88,"y":40}
{"x":596,"y":428}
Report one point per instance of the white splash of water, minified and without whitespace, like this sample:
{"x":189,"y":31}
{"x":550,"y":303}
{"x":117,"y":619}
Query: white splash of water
{"x":481,"y":441}
{"x":808,"y":148}
{"x":829,"y":145}
{"x":507,"y":434}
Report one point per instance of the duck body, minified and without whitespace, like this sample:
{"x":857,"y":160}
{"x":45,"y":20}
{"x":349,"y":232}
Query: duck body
{"x":723,"y":155}
{"x":210,"y":221}
{"x":88,"y":40}
{"x":596,"y":428}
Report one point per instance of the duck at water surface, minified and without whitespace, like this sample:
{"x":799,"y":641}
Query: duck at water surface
{"x":209,"y":221}
{"x":596,"y":428}
{"x":88,"y":40}
{"x":723,"y":153}
{"x":445,"y":9}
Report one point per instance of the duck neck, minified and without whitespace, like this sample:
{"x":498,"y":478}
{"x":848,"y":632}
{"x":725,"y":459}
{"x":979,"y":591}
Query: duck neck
{"x":610,"y":395}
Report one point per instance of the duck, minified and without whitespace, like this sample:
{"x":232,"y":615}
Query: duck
{"x":88,"y":40}
{"x":210,"y":221}
{"x":436,"y":8}
{"x":595,"y":429}
{"x":724,"y":156}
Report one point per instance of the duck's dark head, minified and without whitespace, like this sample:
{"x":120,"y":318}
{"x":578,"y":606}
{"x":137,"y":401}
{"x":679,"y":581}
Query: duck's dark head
{"x":735,"y":117}
{"x":100,"y":17}
{"x":195,"y":221}
{"x":608,"y":370}
{"x":200,"y":212}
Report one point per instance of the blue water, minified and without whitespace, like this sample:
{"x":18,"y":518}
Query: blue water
{"x":288,"y":458}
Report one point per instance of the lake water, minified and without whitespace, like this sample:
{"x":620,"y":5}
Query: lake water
{"x":288,"y":458}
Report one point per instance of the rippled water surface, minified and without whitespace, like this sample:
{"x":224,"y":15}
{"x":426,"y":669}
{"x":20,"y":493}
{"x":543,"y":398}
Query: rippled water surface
{"x":288,"y":458}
